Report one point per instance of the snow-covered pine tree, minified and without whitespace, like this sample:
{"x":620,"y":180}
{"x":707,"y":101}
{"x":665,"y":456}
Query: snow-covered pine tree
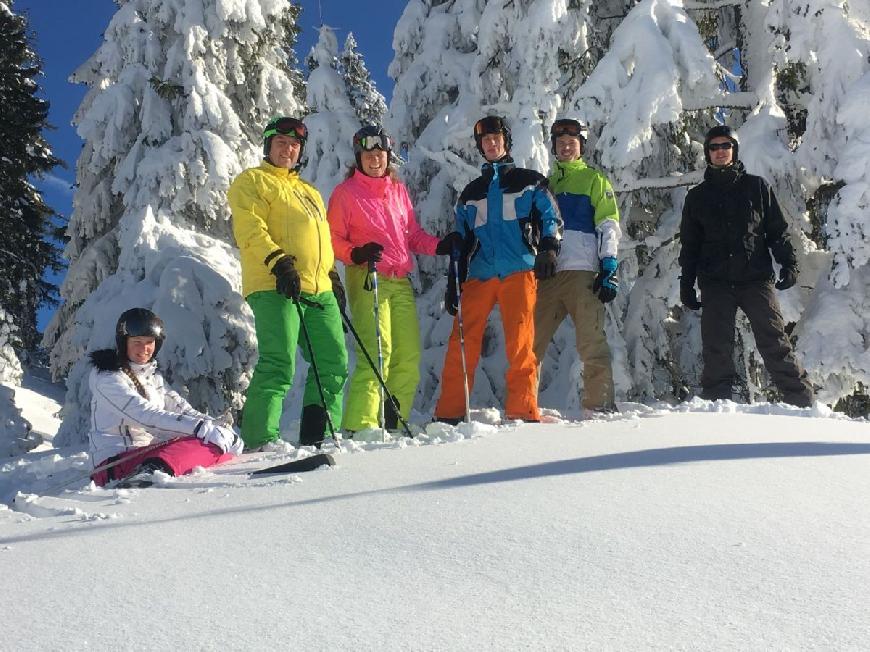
{"x":332,"y":121}
{"x":369,"y":104}
{"x":11,"y":371}
{"x":16,"y":433}
{"x":179,"y":93}
{"x":455,"y":62}
{"x":27,"y":250}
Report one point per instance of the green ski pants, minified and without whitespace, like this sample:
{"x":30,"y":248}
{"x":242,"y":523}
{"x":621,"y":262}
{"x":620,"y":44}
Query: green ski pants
{"x":276,"y":321}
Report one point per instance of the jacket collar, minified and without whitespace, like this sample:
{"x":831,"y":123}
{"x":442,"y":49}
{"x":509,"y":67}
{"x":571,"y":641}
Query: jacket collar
{"x":278,"y":172}
{"x":497,"y":168}
{"x":374,"y":186}
{"x":725,"y":175}
{"x":565,"y":167}
{"x":143,"y":369}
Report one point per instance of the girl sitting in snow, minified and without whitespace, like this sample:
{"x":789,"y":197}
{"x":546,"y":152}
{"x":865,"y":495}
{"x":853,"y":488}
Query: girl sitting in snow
{"x":132,"y":411}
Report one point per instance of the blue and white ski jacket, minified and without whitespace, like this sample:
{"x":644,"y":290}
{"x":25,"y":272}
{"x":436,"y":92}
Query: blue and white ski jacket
{"x":503,"y":214}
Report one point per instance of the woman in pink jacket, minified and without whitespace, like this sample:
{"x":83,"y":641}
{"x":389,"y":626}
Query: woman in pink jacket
{"x":372,"y":223}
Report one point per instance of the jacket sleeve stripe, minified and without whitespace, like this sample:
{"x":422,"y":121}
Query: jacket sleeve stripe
{"x":272,"y":256}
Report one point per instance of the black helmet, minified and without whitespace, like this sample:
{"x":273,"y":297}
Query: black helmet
{"x":721,"y":131}
{"x":568,"y":127}
{"x":288,"y":127}
{"x":138,"y":322}
{"x":369,"y":138}
{"x":491,"y":124}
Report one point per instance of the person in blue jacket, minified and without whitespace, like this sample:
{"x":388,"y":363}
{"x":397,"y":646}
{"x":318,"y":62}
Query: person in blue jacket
{"x":511,"y":232}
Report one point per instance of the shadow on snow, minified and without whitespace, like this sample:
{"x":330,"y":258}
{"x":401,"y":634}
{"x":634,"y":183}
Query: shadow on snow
{"x":653,"y":457}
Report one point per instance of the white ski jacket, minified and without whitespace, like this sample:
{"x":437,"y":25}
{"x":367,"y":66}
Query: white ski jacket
{"x":122,"y":419}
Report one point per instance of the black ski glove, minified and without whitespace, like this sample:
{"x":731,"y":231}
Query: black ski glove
{"x":449,"y":243}
{"x":688,"y":296}
{"x":338,"y":290}
{"x":287,"y":280}
{"x":370,"y":252}
{"x":545,"y":261}
{"x":787,"y":278}
{"x":606,"y":284}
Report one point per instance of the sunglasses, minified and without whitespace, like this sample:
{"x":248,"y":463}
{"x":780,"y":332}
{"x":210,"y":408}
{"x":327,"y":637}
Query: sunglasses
{"x":716,"y":146}
{"x":379,"y":141}
{"x":567,"y":128}
{"x":286,"y":127}
{"x":489,"y":125}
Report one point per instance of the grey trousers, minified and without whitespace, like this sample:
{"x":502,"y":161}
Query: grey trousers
{"x":569,"y":293}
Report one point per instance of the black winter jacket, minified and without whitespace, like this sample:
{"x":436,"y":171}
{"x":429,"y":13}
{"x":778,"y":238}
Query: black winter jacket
{"x":731,"y":224}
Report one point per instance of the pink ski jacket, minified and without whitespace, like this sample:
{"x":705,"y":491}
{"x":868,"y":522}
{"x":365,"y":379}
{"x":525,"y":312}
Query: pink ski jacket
{"x":377,"y":209}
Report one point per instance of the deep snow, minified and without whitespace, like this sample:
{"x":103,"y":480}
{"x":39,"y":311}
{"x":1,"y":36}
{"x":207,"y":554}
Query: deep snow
{"x":707,"y":526}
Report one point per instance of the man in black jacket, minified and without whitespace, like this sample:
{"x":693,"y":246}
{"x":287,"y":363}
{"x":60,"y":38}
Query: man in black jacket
{"x":731,"y":224}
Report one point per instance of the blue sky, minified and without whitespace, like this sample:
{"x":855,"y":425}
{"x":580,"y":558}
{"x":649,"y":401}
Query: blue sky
{"x":67,"y":32}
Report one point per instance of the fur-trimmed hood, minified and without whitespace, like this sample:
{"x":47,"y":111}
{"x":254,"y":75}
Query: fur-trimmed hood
{"x":105,"y":360}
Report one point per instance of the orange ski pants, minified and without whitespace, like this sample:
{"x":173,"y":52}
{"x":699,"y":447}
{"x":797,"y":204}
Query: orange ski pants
{"x":515,"y":296}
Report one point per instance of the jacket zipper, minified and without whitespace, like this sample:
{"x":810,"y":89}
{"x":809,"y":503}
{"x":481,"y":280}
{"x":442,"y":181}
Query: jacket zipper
{"x":306,"y":204}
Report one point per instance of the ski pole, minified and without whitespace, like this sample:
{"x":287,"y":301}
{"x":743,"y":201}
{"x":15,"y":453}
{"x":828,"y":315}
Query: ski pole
{"x":388,"y":393}
{"x":314,"y":367}
{"x":454,"y":263}
{"x":373,"y":273}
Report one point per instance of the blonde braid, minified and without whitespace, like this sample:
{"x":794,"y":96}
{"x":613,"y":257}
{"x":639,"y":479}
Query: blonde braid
{"x":136,"y":382}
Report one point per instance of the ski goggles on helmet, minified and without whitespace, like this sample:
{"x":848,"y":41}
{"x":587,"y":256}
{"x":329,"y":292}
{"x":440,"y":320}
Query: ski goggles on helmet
{"x":368,"y":143}
{"x":491,"y":124}
{"x":568,"y":128}
{"x":712,"y":147}
{"x":286,"y":127}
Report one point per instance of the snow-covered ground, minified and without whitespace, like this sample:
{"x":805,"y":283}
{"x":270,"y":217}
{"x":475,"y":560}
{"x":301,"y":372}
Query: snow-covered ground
{"x":708,"y":526}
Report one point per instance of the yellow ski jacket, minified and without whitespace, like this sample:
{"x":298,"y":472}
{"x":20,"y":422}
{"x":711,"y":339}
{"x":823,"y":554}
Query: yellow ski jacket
{"x":275,"y":213}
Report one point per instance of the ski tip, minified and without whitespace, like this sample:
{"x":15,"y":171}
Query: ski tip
{"x":299,"y":466}
{"x":327,"y":459}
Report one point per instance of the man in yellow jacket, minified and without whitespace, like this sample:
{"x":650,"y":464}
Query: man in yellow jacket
{"x":280,"y":225}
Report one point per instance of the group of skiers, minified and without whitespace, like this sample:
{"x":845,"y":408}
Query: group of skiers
{"x":542,"y":249}
{"x":505,"y":249}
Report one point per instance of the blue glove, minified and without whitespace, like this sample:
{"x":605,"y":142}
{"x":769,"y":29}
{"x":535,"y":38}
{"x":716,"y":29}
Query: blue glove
{"x":606,"y":284}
